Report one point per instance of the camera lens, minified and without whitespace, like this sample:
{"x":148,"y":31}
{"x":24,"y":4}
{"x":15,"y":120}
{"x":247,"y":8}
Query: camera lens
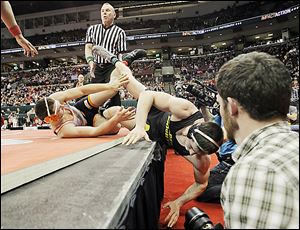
{"x":197,"y":219}
{"x":195,"y":92}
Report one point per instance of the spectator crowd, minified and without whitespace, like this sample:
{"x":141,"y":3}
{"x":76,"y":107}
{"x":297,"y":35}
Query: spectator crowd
{"x":26,"y":87}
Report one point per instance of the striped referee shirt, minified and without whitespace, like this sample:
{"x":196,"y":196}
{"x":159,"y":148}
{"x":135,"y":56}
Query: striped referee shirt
{"x":113,"y":39}
{"x":261,"y":190}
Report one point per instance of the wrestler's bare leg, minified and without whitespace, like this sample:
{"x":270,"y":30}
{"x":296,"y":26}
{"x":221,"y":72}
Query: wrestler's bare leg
{"x":134,"y":87}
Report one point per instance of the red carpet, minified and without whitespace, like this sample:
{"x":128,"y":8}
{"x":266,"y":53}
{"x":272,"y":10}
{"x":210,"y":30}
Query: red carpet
{"x":178,"y":176}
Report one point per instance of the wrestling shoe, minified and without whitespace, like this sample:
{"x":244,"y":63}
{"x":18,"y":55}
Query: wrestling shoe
{"x":134,"y":55}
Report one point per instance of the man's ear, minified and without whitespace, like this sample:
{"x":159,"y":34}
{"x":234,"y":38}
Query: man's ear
{"x":232,"y":106}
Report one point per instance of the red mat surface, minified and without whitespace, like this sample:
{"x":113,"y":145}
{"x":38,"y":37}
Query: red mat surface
{"x":178,"y":177}
{"x":40,"y":146}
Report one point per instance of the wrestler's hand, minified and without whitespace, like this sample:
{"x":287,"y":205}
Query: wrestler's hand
{"x":135,"y":135}
{"x":124,"y":114}
{"x":117,"y":83}
{"x":173,"y":215}
{"x":29,"y":49}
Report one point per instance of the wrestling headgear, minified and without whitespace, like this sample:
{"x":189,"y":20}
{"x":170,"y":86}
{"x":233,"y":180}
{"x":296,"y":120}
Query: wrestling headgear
{"x":206,"y":135}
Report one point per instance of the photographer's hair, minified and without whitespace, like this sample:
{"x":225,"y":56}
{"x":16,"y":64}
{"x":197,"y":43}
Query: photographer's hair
{"x":208,"y":136}
{"x":41,"y":108}
{"x":259,"y":82}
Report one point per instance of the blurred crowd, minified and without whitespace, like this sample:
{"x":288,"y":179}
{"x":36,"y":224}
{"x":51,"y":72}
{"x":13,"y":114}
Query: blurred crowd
{"x":205,"y":67}
{"x":25,"y":88}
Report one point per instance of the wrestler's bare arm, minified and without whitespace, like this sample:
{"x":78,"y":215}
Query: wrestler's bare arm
{"x":179,"y":107}
{"x":70,"y":130}
{"x":201,"y":165}
{"x":77,"y":92}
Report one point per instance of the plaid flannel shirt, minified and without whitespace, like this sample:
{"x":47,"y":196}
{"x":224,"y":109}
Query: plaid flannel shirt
{"x":262,"y":189}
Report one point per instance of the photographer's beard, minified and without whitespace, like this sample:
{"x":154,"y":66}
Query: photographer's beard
{"x":230,"y":124}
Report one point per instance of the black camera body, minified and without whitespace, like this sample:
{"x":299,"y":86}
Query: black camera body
{"x":197,"y":219}
{"x":205,"y":96}
{"x":201,"y":95}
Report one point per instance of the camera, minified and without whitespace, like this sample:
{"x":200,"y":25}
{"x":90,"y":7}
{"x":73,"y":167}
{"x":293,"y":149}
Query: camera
{"x":197,"y":219}
{"x":205,"y":96}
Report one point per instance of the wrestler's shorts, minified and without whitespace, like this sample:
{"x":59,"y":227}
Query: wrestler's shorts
{"x":85,"y":106}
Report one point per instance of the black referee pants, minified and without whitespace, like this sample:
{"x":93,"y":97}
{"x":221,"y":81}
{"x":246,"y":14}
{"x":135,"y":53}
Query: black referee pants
{"x":102,"y":75}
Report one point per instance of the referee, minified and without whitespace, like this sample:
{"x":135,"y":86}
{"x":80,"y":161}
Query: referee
{"x":112,"y":38}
